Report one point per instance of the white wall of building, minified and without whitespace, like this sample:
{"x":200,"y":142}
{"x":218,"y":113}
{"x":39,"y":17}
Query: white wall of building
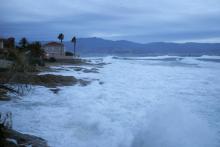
{"x":1,"y":44}
{"x":54,"y":51}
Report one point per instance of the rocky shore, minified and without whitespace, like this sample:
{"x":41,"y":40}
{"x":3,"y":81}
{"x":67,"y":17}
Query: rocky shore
{"x":47,"y":80}
{"x":12,"y":138}
{"x":8,"y":80}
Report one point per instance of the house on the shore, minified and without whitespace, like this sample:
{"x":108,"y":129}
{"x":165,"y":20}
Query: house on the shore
{"x":1,"y":43}
{"x":7,"y":43}
{"x":55,"y":50}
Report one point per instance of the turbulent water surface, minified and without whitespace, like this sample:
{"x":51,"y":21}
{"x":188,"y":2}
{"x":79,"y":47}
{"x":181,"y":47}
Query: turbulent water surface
{"x":132,"y":102}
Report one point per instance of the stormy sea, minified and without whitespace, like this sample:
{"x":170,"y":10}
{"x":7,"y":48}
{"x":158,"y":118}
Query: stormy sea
{"x":164,"y":101}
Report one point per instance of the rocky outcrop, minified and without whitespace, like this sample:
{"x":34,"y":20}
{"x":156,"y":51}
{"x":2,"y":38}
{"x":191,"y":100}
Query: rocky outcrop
{"x":8,"y":83}
{"x":3,"y":95}
{"x":47,"y":80}
{"x":12,"y":138}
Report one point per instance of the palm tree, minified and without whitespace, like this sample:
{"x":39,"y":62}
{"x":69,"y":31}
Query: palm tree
{"x":61,"y":37}
{"x":74,"y":42}
{"x":36,"y":50}
{"x":23,"y":43}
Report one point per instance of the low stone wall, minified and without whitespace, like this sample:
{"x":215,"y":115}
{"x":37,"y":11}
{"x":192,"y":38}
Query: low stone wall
{"x":61,"y":57}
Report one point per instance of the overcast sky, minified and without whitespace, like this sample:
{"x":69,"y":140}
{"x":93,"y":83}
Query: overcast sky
{"x":135,"y":20}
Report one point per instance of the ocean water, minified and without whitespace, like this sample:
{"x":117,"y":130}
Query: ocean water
{"x":132,"y":102}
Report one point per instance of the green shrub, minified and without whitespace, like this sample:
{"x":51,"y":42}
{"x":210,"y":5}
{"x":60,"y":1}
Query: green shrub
{"x":52,"y":59}
{"x":67,"y":53}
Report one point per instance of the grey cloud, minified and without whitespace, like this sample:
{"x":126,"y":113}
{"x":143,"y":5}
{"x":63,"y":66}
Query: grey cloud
{"x":142,"y":20}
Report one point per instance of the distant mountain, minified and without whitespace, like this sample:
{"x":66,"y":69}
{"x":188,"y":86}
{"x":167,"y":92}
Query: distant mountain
{"x":98,"y":46}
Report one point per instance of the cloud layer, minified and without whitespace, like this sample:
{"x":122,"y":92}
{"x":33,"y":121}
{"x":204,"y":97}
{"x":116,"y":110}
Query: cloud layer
{"x":140,"y":20}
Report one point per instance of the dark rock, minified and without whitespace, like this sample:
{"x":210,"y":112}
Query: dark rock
{"x":47,"y":80}
{"x":7,"y":143}
{"x":12,"y":138}
{"x":101,"y":65}
{"x":85,"y":70}
{"x":84,"y":82}
{"x":77,"y":68}
{"x":21,"y":139}
{"x":4,"y":97}
{"x":6,"y":120}
{"x":101,"y":83}
{"x":55,"y":90}
{"x":93,"y":70}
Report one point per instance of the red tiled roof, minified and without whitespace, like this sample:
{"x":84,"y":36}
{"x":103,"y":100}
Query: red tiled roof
{"x":53,"y":44}
{"x":6,"y":39}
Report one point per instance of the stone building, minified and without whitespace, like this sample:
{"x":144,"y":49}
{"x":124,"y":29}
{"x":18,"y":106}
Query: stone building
{"x":54,"y":49}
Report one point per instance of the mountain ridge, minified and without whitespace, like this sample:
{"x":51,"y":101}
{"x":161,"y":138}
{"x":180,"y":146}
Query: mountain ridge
{"x":99,"y":46}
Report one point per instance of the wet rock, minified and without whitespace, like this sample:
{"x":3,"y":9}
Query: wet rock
{"x":12,"y":138}
{"x":101,"y":65}
{"x":101,"y":83}
{"x":55,"y":90}
{"x":47,"y":80}
{"x":78,"y":68}
{"x":85,"y":70}
{"x":8,"y":143}
{"x":92,"y":70}
{"x":13,"y":141}
{"x":3,"y":95}
{"x":84,"y":82}
{"x":6,"y":119}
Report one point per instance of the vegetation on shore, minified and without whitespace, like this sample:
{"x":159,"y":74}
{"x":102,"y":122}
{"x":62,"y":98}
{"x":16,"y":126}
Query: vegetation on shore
{"x":26,"y":60}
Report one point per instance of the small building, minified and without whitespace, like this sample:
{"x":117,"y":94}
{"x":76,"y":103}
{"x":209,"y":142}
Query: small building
{"x":54,"y":49}
{"x":1,"y":43}
{"x":8,"y":43}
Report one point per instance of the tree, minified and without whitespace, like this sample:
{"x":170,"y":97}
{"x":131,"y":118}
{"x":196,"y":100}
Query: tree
{"x":36,"y":53}
{"x":23,"y":43}
{"x":36,"y":50}
{"x":74,"y":42}
{"x":68,"y":53}
{"x":61,"y":37}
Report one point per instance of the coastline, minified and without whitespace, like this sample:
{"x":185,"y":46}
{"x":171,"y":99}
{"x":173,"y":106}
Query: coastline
{"x":13,"y":138}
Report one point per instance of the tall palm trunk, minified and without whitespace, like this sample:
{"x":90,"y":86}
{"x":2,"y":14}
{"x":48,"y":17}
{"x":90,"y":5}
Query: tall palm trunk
{"x":74,"y":48}
{"x":74,"y":41}
{"x":61,"y":50}
{"x":61,"y":37}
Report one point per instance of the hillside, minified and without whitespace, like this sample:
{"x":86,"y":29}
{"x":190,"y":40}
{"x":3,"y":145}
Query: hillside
{"x":98,"y":46}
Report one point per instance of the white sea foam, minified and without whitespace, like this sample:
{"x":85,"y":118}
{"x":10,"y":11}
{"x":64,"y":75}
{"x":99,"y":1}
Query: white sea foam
{"x":141,"y":104}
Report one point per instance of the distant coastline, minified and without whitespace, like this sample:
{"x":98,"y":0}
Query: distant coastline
{"x":101,"y":47}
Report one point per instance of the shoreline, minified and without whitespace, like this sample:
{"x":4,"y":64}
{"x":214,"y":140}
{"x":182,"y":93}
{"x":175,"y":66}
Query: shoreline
{"x":13,"y":138}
